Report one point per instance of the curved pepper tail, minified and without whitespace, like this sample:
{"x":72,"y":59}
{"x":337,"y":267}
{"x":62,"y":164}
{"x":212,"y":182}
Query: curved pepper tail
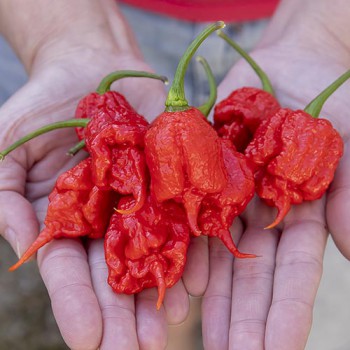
{"x":40,"y":241}
{"x":158,"y":272}
{"x":226,"y":238}
{"x":139,"y":202}
{"x":192,"y":203}
{"x":282,"y":212}
{"x":192,"y":221}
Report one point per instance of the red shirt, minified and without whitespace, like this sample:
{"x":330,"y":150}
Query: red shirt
{"x":209,"y":10}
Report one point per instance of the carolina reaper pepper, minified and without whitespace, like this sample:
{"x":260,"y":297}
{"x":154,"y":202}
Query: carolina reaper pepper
{"x":218,"y":210}
{"x":116,"y":149}
{"x":183,"y":151}
{"x":115,"y":138}
{"x":146,"y":248}
{"x":76,"y":208}
{"x":295,"y":154}
{"x":112,"y":103}
{"x":237,"y":117}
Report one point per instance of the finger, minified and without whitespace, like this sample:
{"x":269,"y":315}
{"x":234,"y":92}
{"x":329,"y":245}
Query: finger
{"x":118,"y":310}
{"x":253,"y":279}
{"x":338,"y":206}
{"x":216,"y":304}
{"x":297,"y":277}
{"x":66,"y":274}
{"x":252,"y":288}
{"x":176,"y":303}
{"x":196,"y":273}
{"x":151,"y":323}
{"x":19,"y":233}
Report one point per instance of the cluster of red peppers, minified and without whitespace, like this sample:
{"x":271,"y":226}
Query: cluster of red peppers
{"x":145,"y":188}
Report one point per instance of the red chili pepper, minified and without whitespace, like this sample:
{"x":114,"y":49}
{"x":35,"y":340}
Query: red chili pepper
{"x":76,"y":208}
{"x":184,"y":158}
{"x":111,"y":103}
{"x":146,"y":248}
{"x":117,"y":156}
{"x":237,"y":117}
{"x":219,"y":210}
{"x":115,"y":138}
{"x":296,"y":154}
{"x":183,"y":152}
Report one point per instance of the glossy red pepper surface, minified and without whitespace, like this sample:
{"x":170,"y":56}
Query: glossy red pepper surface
{"x":237,"y":117}
{"x":218,"y":211}
{"x":146,"y":248}
{"x":115,"y":142}
{"x":108,"y":102}
{"x":295,"y":157}
{"x":76,"y":208}
{"x":184,"y":158}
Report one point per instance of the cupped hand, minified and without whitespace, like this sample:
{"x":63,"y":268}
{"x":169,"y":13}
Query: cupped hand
{"x":267,"y":302}
{"x":88,"y":313}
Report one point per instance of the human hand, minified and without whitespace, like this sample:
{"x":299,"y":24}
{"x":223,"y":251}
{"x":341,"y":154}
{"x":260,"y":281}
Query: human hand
{"x":267,"y":302}
{"x":87,"y":312}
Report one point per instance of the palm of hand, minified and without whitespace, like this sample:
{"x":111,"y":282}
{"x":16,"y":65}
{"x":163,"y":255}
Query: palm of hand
{"x":266,"y":303}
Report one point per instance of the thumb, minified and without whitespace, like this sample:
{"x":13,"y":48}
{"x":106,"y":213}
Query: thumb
{"x":18,"y":222}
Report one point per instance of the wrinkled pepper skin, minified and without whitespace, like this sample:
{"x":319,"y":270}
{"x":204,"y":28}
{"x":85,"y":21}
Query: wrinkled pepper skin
{"x":184,"y":158}
{"x":219,"y":210}
{"x":237,"y":117}
{"x":146,"y":248}
{"x":115,"y":143}
{"x":77,"y":208}
{"x":108,"y":103}
{"x":295,"y":157}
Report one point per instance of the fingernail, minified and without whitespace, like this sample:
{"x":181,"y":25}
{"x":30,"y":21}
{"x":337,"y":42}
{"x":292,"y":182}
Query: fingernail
{"x":17,"y":249}
{"x":11,"y":237}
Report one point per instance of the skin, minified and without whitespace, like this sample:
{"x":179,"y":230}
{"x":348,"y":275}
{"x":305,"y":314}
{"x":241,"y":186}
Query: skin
{"x":265,"y":303}
{"x":63,"y":68}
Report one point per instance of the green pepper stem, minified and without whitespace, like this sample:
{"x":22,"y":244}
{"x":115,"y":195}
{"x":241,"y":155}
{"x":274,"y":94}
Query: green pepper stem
{"x":176,"y":100}
{"x":265,"y":81}
{"x":106,"y":82}
{"x":76,"y":148}
{"x":315,"y":106}
{"x":59,"y":125}
{"x":206,"y":107}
